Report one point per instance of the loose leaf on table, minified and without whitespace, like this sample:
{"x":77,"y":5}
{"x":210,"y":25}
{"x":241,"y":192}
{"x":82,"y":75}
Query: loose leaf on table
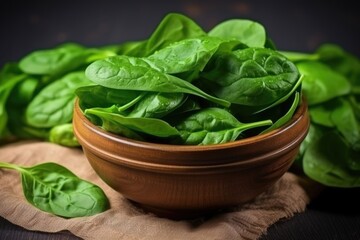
{"x":55,"y":189}
{"x":213,"y":126}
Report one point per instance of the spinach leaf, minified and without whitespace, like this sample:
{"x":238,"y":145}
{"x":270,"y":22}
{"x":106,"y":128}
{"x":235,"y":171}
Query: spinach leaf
{"x":246,"y":31}
{"x":346,"y":123}
{"x":128,"y":73}
{"x":54,"y":104}
{"x":156,"y":105}
{"x":61,"y":59}
{"x":5,"y":90}
{"x":99,"y":96}
{"x":23,"y":92}
{"x":327,"y":161}
{"x":152,"y":126}
{"x":21,"y":130}
{"x":341,"y":61}
{"x":173,"y":28}
{"x":300,"y":56}
{"x":185,"y":55}
{"x":213,"y":126}
{"x":321,"y":113}
{"x":321,"y":83}
{"x":288,"y":115}
{"x":64,"y":135}
{"x":251,"y":76}
{"x":55,"y":189}
{"x":109,"y":125}
{"x":355,"y":103}
{"x":315,"y":132}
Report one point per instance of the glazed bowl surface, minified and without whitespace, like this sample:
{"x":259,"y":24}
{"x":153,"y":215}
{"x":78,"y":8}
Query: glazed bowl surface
{"x":178,"y":181}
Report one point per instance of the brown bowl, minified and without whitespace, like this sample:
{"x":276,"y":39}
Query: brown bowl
{"x":179,"y":181}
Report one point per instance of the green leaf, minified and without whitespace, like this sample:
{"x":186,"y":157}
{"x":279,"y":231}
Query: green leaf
{"x":321,"y":83}
{"x":287,"y":116}
{"x":174,"y":27}
{"x":63,"y":135}
{"x":151,"y":126}
{"x":346,"y":123}
{"x":55,"y":103}
{"x":213,"y":126}
{"x":128,"y":73}
{"x":341,"y":61}
{"x":5,"y":90}
{"x":327,"y":161}
{"x":99,"y":96}
{"x":185,"y":55}
{"x":246,"y":31}
{"x":54,"y":61}
{"x":251,"y":76}
{"x":55,"y":189}
{"x":156,"y":105}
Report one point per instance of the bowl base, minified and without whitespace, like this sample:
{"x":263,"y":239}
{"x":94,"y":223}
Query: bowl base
{"x":179,"y":214}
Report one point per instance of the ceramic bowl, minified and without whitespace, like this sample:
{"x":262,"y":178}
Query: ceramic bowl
{"x":177,"y":181}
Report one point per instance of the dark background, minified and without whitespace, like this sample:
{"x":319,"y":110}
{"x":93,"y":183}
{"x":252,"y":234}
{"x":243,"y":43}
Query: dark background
{"x":26,"y":26}
{"x":293,"y":25}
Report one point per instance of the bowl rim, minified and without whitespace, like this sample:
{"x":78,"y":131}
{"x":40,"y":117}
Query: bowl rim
{"x":300,"y":112}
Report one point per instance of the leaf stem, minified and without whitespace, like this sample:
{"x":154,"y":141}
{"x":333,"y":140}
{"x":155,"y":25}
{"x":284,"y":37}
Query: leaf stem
{"x":11,"y":166}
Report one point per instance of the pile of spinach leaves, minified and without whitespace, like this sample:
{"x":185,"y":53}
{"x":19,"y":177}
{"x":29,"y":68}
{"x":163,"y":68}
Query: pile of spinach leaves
{"x":182,"y":85}
{"x":37,"y":93}
{"x":191,"y":86}
{"x":330,"y":154}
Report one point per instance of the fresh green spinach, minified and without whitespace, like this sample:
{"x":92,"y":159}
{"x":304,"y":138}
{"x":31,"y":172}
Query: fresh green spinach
{"x":151,"y":126}
{"x":328,"y":159}
{"x":54,"y":104}
{"x":246,"y":31}
{"x":139,"y":89}
{"x":213,"y":126}
{"x":173,"y":28}
{"x":250,"y":76}
{"x":330,"y":152}
{"x":128,"y":73}
{"x":63,"y":135}
{"x":55,"y":189}
{"x":321,"y":83}
{"x":288,"y":115}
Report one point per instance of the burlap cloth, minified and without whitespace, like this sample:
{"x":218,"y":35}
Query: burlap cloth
{"x":125,"y":221}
